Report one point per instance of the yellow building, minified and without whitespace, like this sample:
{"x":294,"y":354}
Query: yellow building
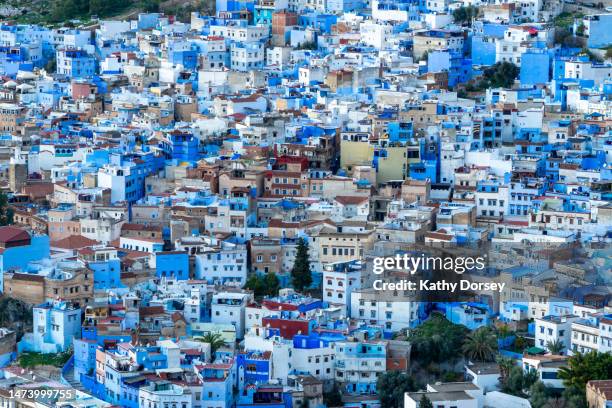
{"x":392,"y":160}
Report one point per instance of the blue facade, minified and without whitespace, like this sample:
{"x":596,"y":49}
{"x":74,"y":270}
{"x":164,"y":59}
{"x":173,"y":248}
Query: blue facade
{"x":129,"y":391}
{"x":75,"y":63}
{"x":172,"y":265}
{"x":600,"y":34}
{"x":427,"y":169}
{"x":18,"y":257}
{"x":323,"y":22}
{"x":335,"y":6}
{"x":469,"y":314}
{"x":234,"y":5}
{"x":84,"y":357}
{"x":107,"y":274}
{"x":183,"y":147}
{"x":535,"y":67}
{"x":188,"y":59}
{"x":253,"y":368}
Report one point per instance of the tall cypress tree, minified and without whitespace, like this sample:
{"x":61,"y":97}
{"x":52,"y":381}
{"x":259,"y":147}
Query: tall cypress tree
{"x":6,"y":212}
{"x":425,"y":402}
{"x":301,"y":278}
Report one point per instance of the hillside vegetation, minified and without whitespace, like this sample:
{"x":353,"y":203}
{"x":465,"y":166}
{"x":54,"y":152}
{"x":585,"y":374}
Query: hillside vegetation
{"x":67,"y":12}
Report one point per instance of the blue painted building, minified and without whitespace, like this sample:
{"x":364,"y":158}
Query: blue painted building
{"x":469,"y":314}
{"x":234,"y":5}
{"x":483,"y":41}
{"x":20,"y":248}
{"x":172,"y":264}
{"x":218,"y":382}
{"x":597,"y":28}
{"x":535,"y":67}
{"x":253,"y":368}
{"x":75,"y":63}
{"x":426,"y":169}
{"x":180,"y":147}
{"x":343,"y":6}
{"x":323,"y":22}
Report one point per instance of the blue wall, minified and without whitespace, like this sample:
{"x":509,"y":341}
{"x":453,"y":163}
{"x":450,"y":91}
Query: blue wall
{"x":172,"y":264}
{"x":107,"y":275}
{"x":19,"y":257}
{"x":535,"y":67}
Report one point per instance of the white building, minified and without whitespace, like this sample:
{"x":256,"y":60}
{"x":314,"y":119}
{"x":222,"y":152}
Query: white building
{"x":359,"y":364}
{"x":368,"y":308}
{"x":247,"y":56}
{"x":142,"y":244}
{"x":310,"y":356}
{"x":356,"y":208}
{"x":278,"y":57}
{"x":447,"y":395}
{"x":223,"y":264}
{"x":339,"y":280}
{"x":554,"y":328}
{"x":547,"y":368}
{"x":585,"y":336}
{"x":492,"y":199}
{"x":375,"y":34}
{"x":605,"y":334}
{"x":164,"y":394}
{"x":587,"y":70}
{"x":54,"y":328}
{"x":229,"y":307}
{"x":241,"y":33}
{"x":516,"y":40}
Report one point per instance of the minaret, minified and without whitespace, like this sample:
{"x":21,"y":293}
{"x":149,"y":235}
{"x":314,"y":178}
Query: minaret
{"x":18,"y":172}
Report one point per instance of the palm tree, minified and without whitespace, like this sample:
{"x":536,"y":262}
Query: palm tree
{"x":555,"y":346}
{"x":584,"y":367}
{"x":480,"y":345}
{"x":214,"y":339}
{"x":505,"y":365}
{"x":503,"y":331}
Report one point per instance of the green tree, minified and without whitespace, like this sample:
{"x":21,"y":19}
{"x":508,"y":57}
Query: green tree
{"x":538,"y":395}
{"x":520,"y":343}
{"x":214,"y":339}
{"x":503,"y":331}
{"x":391,"y":387}
{"x":573,"y":397}
{"x":333,"y":398}
{"x":582,"y":368}
{"x":68,"y":9}
{"x":6,"y":212}
{"x":480,"y":345}
{"x":436,"y":340}
{"x":592,"y":56}
{"x":15,"y":314}
{"x":501,"y":75}
{"x":301,"y":277}
{"x":266,"y":285}
{"x":425,"y":402}
{"x":150,"y":6}
{"x":465,"y":15}
{"x":555,"y":346}
{"x":518,"y":382}
{"x":505,"y":365}
{"x":51,"y":65}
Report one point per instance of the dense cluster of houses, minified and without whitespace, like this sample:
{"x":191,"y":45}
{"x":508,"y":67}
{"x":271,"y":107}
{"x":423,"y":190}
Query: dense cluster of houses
{"x":152,"y":167}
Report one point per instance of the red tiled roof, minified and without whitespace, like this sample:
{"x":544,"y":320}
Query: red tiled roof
{"x":74,"y":242}
{"x":151,"y":311}
{"x":10,"y":234}
{"x":351,"y":200}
